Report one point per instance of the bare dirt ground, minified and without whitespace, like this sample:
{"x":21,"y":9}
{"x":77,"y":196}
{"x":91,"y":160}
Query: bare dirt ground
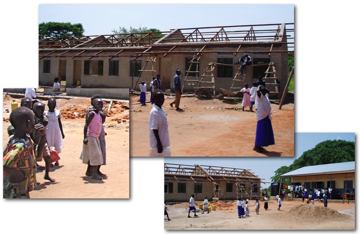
{"x":207,"y":128}
{"x":71,"y":181}
{"x":294,"y":215}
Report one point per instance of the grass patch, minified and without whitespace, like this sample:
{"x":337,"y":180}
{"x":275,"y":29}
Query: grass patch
{"x":291,"y":85}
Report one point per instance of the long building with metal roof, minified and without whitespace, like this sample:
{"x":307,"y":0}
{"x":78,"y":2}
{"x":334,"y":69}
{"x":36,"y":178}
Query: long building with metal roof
{"x":338,"y":176}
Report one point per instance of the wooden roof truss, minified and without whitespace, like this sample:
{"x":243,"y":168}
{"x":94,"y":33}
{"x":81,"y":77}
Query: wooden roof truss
{"x":235,"y":37}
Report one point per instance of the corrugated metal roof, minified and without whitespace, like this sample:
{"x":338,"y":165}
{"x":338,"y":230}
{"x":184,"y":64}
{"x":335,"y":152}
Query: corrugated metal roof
{"x":324,"y":168}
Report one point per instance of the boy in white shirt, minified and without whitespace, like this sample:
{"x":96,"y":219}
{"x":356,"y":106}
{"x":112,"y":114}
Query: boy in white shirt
{"x":158,"y":127}
{"x":56,"y":85}
{"x":142,"y":87}
{"x":192,"y":206}
{"x":253,"y":95}
{"x":152,"y":87}
{"x":279,"y":203}
{"x":30,"y":93}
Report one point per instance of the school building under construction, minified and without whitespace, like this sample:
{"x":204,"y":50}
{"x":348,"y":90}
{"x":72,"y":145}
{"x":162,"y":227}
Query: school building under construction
{"x":224,"y":183}
{"x":205,"y":55}
{"x":338,"y":176}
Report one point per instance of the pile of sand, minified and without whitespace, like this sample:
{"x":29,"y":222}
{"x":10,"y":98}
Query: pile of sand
{"x":118,"y":111}
{"x":308,"y":212}
{"x":220,"y":205}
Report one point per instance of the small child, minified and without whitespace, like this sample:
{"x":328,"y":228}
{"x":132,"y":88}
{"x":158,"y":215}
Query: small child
{"x":54,"y":131}
{"x":19,"y":159}
{"x":92,"y":153}
{"x":39,"y":109}
{"x":152,"y":87}
{"x":266,"y":205}
{"x":143,"y":93}
{"x":166,"y":213}
{"x":279,"y":203}
{"x":325,"y":200}
{"x":253,"y":96}
{"x":101,"y":137}
{"x":312,"y":201}
{"x":192,"y":206}
{"x":158,"y":127}
{"x":246,"y":97}
{"x":257,"y":206}
{"x":56,"y":85}
{"x":247,"y":210}
{"x":206,"y":205}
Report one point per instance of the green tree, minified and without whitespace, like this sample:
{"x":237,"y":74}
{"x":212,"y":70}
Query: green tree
{"x":139,"y":32}
{"x":58,"y":29}
{"x":280,"y":171}
{"x":330,"y":151}
{"x":290,"y":63}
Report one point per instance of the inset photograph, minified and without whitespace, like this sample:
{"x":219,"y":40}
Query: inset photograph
{"x":315,"y":190}
{"x":223,"y":90}
{"x":61,"y":146}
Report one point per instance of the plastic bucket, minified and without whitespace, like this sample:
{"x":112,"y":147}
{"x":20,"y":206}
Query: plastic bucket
{"x":14,"y":105}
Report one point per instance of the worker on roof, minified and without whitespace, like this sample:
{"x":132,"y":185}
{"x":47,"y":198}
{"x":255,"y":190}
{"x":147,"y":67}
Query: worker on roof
{"x":245,"y":61}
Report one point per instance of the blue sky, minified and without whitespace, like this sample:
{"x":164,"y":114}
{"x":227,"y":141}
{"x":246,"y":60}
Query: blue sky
{"x":265,"y":167}
{"x":101,"y":19}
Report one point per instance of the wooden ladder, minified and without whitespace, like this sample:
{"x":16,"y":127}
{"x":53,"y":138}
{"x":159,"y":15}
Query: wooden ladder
{"x":270,"y":78}
{"x":194,"y":61}
{"x":242,"y":191}
{"x":207,"y":80}
{"x":238,"y":88}
{"x":149,"y":59}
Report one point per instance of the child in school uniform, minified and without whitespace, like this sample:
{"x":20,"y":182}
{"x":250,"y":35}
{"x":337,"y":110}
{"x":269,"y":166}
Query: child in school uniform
{"x":158,"y":127}
{"x":192,"y":206}
{"x":279,"y":203}
{"x":247,"y":210}
{"x":246,"y":97}
{"x":240,"y":205}
{"x":325,"y":200}
{"x":264,"y":131}
{"x":54,"y":131}
{"x":253,"y":96}
{"x":257,"y":206}
{"x":152,"y":87}
{"x":166,"y":213}
{"x":142,"y":86}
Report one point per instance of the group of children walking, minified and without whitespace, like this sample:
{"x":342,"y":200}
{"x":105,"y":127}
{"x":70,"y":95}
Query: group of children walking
{"x":36,"y":135}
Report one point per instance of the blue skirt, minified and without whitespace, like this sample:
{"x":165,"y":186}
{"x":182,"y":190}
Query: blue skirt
{"x":142,"y":97}
{"x":151,"y":98}
{"x":264,"y":133}
{"x":241,"y":211}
